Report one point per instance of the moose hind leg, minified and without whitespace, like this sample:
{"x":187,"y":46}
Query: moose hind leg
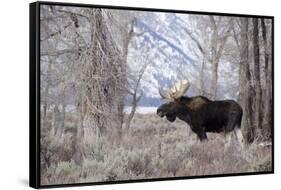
{"x":239,"y":137}
{"x":230,"y":126}
{"x":228,"y":129}
{"x":227,"y":140}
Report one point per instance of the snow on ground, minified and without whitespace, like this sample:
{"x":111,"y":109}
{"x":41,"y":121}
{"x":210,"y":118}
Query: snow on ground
{"x":142,"y":110}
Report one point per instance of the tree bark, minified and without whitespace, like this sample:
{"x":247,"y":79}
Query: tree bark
{"x":214,"y":84}
{"x":266,"y":122}
{"x":257,"y":82}
{"x":103,"y":78}
{"x":217,"y":45}
{"x":45,"y":94}
{"x":214,"y":59}
{"x":201,"y":78}
{"x":245,"y":89}
{"x":135,"y":97}
{"x":135,"y":101}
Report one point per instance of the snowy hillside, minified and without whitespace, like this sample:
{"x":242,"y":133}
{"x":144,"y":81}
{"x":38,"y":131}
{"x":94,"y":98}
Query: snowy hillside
{"x":164,"y":45}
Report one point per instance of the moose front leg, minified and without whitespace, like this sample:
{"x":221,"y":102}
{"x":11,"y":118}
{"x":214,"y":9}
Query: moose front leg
{"x":200,"y":132}
{"x":202,"y":136}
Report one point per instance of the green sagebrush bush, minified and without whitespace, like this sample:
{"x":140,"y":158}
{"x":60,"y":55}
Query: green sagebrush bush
{"x":263,"y":165}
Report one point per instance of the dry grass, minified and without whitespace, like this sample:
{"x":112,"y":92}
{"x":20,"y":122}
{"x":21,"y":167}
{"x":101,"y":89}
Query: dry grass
{"x":154,"y":148}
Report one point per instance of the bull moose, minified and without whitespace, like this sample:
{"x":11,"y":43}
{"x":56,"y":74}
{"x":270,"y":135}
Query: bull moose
{"x":200,"y":113}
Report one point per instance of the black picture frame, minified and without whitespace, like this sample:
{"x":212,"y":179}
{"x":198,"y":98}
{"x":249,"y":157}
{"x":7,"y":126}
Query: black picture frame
{"x":34,"y":93}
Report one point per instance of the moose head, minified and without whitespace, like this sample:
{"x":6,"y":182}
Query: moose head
{"x":174,"y":107}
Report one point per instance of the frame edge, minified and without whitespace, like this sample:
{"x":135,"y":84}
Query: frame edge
{"x":34,"y":96}
{"x":34,"y":174}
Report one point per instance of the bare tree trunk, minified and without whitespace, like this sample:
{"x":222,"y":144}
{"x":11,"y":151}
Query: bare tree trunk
{"x":135,"y":97}
{"x":60,"y":128}
{"x":45,"y":103}
{"x":215,"y":64}
{"x":214,"y":59}
{"x":127,"y":40}
{"x":270,"y":96}
{"x":201,"y":78}
{"x":266,"y":122}
{"x":45,"y":96}
{"x":245,"y":88}
{"x":78,"y":136}
{"x":241,"y":78}
{"x":266,"y":56}
{"x":257,"y":82}
{"x":217,"y":45}
{"x":97,"y":90}
{"x":269,"y":87}
{"x":218,"y":42}
{"x":81,"y":113}
{"x":55,"y":121}
{"x":102,"y":78}
{"x":135,"y":101}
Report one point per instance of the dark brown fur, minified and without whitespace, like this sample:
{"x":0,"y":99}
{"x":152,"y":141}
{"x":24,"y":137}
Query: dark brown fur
{"x":204,"y":115}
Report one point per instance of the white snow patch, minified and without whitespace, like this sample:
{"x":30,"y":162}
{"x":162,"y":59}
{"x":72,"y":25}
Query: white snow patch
{"x":141,"y":110}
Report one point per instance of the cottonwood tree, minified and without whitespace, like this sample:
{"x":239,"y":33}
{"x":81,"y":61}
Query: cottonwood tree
{"x":134,"y":89}
{"x":52,"y":70}
{"x":257,"y":77}
{"x":267,"y":70}
{"x":196,"y":31}
{"x":84,"y":66}
{"x":103,"y":75}
{"x":254,"y":78}
{"x":218,"y":41}
{"x":245,"y":87}
{"x":133,"y":79}
{"x":210,"y":40}
{"x":57,"y":57}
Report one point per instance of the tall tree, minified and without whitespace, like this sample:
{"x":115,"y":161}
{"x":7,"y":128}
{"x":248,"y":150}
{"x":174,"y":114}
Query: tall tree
{"x":257,"y":78}
{"x":267,"y":96}
{"x":212,"y":46}
{"x":217,"y":45}
{"x":245,"y":84}
{"x":102,"y":74}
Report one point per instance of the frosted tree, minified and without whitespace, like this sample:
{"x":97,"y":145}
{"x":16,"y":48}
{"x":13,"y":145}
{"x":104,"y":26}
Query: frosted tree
{"x":210,"y":37}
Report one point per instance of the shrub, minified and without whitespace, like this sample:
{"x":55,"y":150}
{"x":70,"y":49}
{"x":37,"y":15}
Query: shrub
{"x":150,"y":150}
{"x":263,"y":165}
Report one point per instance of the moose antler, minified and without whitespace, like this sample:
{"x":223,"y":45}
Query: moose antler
{"x":175,"y":91}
